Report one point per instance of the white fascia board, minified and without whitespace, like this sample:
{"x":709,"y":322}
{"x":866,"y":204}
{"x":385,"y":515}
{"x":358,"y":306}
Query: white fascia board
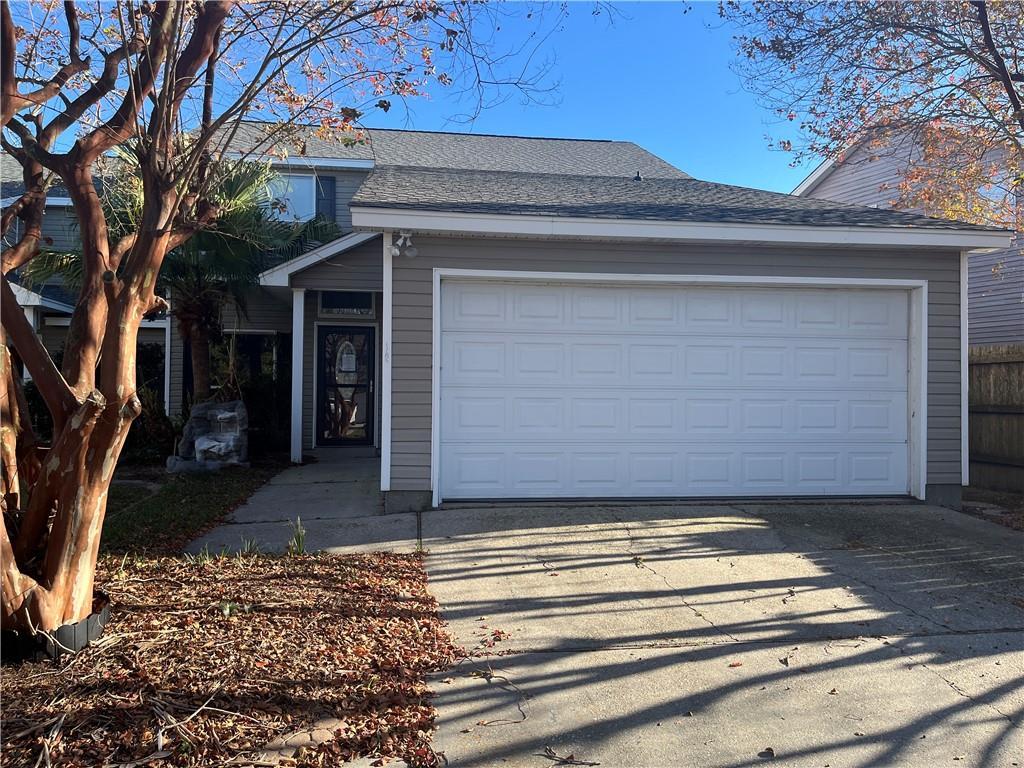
{"x":27,"y":298}
{"x":305,"y":161}
{"x":280,"y":276}
{"x":56,"y":202}
{"x":64,"y":322}
{"x":434,"y":222}
{"x":819,"y":173}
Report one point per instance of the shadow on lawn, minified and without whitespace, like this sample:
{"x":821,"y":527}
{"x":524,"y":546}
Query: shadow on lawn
{"x":923,"y":589}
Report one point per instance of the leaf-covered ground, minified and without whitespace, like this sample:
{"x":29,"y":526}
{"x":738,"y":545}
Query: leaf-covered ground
{"x":204,"y":663}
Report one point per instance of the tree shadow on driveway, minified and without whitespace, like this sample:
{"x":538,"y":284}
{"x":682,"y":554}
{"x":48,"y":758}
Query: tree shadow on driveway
{"x":835,"y":634}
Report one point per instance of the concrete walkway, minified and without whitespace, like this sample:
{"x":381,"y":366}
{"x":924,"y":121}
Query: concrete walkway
{"x":808,"y":634}
{"x":338,"y":501}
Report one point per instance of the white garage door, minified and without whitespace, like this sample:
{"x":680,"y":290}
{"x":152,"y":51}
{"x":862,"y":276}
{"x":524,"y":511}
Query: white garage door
{"x":582,"y":390}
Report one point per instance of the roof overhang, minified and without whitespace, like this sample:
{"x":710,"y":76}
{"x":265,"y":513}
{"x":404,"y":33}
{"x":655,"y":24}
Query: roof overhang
{"x":27,"y":298}
{"x":280,"y":276}
{"x":496,"y":225}
{"x":307,"y":161}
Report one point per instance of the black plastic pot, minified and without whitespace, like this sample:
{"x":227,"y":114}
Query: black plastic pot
{"x":16,"y":647}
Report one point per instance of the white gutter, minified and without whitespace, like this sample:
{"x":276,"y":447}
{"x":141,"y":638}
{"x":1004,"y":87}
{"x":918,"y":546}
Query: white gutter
{"x":435,"y":222}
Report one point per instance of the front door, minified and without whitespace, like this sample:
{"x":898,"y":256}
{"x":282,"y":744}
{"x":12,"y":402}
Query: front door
{"x":345,"y":385}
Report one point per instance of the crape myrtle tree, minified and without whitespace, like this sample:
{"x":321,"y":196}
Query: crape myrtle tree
{"x":940,"y":82}
{"x":170,"y":82}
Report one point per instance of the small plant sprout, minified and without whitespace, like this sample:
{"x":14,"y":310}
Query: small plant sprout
{"x":297,"y":544}
{"x":202,"y":557}
{"x":249,"y":548}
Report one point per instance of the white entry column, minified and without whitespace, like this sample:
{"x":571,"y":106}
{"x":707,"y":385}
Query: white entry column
{"x":298,"y":345}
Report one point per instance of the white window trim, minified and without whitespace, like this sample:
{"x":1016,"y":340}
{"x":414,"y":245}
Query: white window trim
{"x":435,"y":222}
{"x":917,"y":379}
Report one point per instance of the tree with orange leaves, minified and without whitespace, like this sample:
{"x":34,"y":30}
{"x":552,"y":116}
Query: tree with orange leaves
{"x":945,"y":78}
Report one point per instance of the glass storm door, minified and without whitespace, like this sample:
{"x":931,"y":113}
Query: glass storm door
{"x":345,"y":389}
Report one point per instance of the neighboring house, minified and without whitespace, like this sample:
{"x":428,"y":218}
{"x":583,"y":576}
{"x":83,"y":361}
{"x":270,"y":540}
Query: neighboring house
{"x":49,"y":306}
{"x":996,"y":277}
{"x":548,"y":318}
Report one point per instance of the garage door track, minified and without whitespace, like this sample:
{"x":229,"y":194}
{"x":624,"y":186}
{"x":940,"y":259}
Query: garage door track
{"x":805,"y":634}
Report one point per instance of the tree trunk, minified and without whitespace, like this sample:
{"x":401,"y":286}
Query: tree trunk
{"x":200,"y":345}
{"x":49,"y":543}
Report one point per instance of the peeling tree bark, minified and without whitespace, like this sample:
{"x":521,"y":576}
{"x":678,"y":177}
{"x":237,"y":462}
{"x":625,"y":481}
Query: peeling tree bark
{"x":53,"y":509}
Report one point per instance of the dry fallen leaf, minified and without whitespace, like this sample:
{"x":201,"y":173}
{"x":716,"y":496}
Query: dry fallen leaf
{"x":354,"y":636}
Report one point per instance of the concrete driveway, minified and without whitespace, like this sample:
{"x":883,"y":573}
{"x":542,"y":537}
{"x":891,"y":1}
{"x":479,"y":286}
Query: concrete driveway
{"x":731,"y":635}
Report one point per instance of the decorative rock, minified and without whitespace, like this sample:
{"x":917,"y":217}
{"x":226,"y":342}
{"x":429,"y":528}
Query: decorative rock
{"x":216,"y":435}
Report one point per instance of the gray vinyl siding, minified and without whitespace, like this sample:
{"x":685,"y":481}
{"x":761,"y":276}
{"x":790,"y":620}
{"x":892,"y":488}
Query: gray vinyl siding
{"x":995,"y":296}
{"x":358,"y":269}
{"x":412,"y":330}
{"x":266,"y":310}
{"x":346,"y":183}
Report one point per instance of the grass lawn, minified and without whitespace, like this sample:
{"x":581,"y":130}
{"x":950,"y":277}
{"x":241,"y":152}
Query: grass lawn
{"x":151,"y":512}
{"x":207,"y":660}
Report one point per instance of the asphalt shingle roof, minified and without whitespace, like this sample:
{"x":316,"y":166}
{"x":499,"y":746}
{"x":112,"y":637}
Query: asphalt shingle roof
{"x":482,"y":152}
{"x":604,"y":197}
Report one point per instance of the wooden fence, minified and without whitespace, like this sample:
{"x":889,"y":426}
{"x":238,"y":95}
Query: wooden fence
{"x":996,"y":398}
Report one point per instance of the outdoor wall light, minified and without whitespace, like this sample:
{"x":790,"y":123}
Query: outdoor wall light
{"x":404,"y":244}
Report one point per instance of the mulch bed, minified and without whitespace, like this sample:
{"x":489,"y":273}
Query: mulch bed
{"x":1000,"y":507}
{"x":206,"y":661}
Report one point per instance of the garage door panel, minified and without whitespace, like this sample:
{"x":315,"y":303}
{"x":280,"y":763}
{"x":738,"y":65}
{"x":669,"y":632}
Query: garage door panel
{"x":596,"y":309}
{"x":618,"y":359}
{"x":689,"y":469}
{"x":554,"y":390}
{"x":671,"y":413}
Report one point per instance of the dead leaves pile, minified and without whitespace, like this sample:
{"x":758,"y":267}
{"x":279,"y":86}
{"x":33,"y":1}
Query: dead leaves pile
{"x":203,"y":664}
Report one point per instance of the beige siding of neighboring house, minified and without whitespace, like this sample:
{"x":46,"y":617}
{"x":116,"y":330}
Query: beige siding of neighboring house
{"x":995,"y":280}
{"x":863,"y":178}
{"x":412,"y":330}
{"x":995,"y":296}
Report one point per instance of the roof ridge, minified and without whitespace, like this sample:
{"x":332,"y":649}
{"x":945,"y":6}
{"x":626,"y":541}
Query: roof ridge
{"x":461,"y":133}
{"x":459,"y":169}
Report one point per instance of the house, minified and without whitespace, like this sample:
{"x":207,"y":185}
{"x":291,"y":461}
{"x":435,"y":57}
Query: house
{"x":526,"y":318}
{"x":995,"y":285}
{"x":538,"y":318}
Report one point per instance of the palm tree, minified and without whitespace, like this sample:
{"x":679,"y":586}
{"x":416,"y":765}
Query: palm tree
{"x":217,"y":266}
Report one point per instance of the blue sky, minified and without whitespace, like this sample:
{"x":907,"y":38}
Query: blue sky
{"x":651,"y":75}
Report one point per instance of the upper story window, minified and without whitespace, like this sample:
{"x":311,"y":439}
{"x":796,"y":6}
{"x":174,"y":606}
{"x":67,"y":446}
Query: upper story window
{"x":301,"y":196}
{"x":295,"y":196}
